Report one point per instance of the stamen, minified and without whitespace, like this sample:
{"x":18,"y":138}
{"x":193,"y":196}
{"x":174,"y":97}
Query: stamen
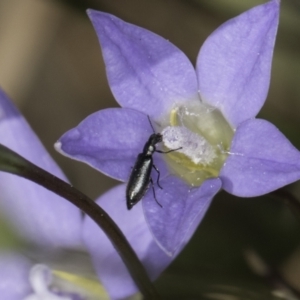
{"x":205,"y":137}
{"x":194,"y":146}
{"x":40,"y":278}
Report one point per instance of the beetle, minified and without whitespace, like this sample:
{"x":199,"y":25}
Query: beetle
{"x":140,"y":176}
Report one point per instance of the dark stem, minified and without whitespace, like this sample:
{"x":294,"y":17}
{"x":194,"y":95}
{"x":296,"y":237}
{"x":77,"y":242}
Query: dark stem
{"x":291,"y":201}
{"x":13,"y":163}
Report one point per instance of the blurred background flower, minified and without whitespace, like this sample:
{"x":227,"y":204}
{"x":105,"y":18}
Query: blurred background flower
{"x":51,"y":65}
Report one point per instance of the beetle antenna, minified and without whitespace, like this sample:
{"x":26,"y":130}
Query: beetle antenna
{"x":151,"y":123}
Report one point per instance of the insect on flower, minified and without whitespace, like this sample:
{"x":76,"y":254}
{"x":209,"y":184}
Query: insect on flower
{"x":213,"y":105}
{"x":140,"y":176}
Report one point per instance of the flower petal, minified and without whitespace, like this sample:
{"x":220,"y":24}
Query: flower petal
{"x":261,"y":160}
{"x":182,"y":210}
{"x":109,"y":266}
{"x":145,"y":72}
{"x":234,"y":64}
{"x":36,"y":213}
{"x":108,"y":140}
{"x":14,"y":274}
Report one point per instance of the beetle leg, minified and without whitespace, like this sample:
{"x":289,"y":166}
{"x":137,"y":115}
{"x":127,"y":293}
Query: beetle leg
{"x":154,"y":195}
{"x":155,"y":168}
{"x":165,"y":152}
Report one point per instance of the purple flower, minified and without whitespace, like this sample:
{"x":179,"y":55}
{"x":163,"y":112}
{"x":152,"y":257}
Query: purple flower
{"x":40,"y":217}
{"x":14,"y":273}
{"x":209,"y":112}
{"x":20,"y":280}
{"x":37,"y":214}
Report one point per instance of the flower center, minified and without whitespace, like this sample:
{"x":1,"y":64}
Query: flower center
{"x":40,"y":278}
{"x":205,"y":137}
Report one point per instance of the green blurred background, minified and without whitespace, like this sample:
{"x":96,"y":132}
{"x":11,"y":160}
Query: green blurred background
{"x":51,"y":66}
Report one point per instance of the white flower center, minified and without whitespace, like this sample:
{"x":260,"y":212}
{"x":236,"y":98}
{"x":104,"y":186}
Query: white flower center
{"x":193,"y":145}
{"x":204,"y":136}
{"x":40,"y":278}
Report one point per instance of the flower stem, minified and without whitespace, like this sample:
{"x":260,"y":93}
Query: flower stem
{"x":12,"y":162}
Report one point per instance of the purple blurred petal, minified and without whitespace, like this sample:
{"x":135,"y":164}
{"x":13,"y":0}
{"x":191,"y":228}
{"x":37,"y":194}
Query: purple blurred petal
{"x":261,"y":160}
{"x":108,"y":140}
{"x":234,"y":63}
{"x":145,"y":71}
{"x":110,"y":269}
{"x":38,"y":214}
{"x":182,"y":210}
{"x":14,"y":277}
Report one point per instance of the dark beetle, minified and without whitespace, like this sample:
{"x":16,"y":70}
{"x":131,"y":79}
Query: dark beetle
{"x":140,"y":176}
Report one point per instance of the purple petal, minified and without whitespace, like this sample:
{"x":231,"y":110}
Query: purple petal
{"x":110,"y":268}
{"x":35,"y":212}
{"x":234,"y":64}
{"x":145,"y":71}
{"x":183,"y":208}
{"x":14,"y":274}
{"x":261,"y":160}
{"x":108,"y":140}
